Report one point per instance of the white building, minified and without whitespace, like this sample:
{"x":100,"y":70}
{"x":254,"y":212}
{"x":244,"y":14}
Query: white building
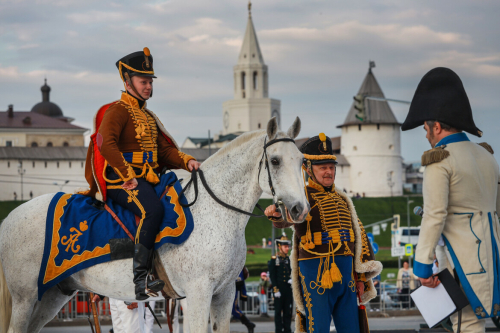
{"x":369,"y":151}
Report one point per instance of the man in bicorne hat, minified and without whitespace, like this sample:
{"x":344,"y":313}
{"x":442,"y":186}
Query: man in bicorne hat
{"x":128,"y":149}
{"x":332,"y":259}
{"x":280,"y":274}
{"x":460,"y":197}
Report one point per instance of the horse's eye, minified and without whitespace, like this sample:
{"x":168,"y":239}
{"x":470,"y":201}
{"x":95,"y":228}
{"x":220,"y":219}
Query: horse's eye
{"x":275,"y":161}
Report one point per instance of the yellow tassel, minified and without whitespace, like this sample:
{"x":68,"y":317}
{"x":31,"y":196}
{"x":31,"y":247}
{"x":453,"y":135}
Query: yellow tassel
{"x":137,"y":136}
{"x":143,"y":133}
{"x":326,"y":280}
{"x":151,"y":177}
{"x":335,"y":274}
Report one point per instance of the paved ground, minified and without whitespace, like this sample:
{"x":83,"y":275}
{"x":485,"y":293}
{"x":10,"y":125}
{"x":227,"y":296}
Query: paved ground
{"x":410,"y":322}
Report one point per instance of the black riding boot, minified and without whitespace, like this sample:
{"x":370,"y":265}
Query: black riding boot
{"x":244,"y":320}
{"x":142,"y":261}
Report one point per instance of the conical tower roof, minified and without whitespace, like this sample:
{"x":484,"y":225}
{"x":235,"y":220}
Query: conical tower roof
{"x":250,"y":51}
{"x":377,"y":112}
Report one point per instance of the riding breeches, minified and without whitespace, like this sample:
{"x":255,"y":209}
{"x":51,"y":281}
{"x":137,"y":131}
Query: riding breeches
{"x":339,"y":302}
{"x":143,"y":202}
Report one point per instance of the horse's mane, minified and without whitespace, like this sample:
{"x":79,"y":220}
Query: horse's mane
{"x":244,"y":138}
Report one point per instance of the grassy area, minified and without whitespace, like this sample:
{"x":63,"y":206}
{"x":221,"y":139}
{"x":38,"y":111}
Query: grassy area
{"x":7,"y":206}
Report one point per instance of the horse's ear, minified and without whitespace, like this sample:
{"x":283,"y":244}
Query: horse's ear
{"x":294,"y":130}
{"x":272,"y":128}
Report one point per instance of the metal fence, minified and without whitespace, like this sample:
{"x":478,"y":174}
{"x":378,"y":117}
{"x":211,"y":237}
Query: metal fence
{"x":388,"y":298}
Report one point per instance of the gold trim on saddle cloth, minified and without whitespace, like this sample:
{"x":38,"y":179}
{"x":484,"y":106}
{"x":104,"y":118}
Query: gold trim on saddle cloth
{"x":334,"y":234}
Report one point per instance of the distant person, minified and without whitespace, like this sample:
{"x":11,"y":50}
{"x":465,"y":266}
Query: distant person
{"x":130,"y":317}
{"x":241,"y":291}
{"x":263,"y":243}
{"x":263,"y":287}
{"x":15,"y":196}
{"x":405,"y":284}
{"x":460,"y":192}
{"x":280,"y":272}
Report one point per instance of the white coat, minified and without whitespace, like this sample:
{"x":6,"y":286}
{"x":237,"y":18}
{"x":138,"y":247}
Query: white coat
{"x":460,"y":203}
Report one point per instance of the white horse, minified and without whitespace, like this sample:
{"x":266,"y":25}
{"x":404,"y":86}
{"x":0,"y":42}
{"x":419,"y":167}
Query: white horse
{"x":203,"y":268}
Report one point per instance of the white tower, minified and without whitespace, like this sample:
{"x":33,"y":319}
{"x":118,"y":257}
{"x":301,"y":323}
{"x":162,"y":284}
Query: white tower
{"x":373,"y":146}
{"x":251,"y":107}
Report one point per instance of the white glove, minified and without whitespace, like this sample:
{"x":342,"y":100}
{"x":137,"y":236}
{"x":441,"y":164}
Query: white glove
{"x":290,"y":281}
{"x":277,"y":295}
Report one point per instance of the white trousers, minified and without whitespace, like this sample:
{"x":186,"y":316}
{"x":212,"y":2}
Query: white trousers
{"x":470,"y":323}
{"x":175,"y":321}
{"x":131,"y":321}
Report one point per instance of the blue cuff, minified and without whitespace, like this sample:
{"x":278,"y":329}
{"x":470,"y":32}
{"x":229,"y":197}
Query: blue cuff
{"x":422,"y":270}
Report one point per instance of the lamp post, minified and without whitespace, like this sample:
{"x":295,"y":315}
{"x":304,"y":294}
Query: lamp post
{"x":390,"y":183}
{"x":61,"y":185}
{"x":408,"y":202}
{"x":21,"y":172}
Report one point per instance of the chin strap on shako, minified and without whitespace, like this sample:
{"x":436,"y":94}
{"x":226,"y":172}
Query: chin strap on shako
{"x":277,"y":202}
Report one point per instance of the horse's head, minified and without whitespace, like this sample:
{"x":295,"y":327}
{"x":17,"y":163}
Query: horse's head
{"x":284,"y":163}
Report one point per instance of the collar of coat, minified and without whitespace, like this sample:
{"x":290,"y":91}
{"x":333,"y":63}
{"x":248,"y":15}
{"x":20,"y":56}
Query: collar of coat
{"x":320,"y":188}
{"x":133,"y":102}
{"x":452,"y":138}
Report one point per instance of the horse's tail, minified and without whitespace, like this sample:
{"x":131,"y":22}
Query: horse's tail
{"x":5,"y":302}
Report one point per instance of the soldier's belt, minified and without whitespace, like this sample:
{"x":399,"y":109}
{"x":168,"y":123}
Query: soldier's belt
{"x":141,"y":157}
{"x":337,"y":236}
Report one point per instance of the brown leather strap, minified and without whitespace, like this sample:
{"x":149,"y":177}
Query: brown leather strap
{"x":161,"y":274}
{"x":117,"y":219}
{"x":169,"y":320}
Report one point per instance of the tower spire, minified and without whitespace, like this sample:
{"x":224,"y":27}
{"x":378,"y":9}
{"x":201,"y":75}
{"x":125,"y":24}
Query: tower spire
{"x":250,"y":50}
{"x":249,"y":8}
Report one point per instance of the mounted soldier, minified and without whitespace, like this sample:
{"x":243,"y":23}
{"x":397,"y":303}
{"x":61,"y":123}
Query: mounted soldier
{"x":332,"y":259}
{"x":129,"y":148}
{"x":461,"y":200}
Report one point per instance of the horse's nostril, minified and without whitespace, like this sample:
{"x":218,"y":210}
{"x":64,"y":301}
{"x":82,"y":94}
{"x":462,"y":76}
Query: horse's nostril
{"x":295,"y":212}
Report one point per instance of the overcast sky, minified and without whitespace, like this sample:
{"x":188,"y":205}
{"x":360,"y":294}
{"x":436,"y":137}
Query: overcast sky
{"x":317,"y":53}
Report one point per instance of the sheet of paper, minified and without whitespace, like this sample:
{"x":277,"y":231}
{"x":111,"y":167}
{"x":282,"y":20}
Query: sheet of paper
{"x":433,"y":303}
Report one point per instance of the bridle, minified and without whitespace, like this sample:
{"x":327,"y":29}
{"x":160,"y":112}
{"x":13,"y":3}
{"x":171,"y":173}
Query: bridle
{"x":279,"y":203}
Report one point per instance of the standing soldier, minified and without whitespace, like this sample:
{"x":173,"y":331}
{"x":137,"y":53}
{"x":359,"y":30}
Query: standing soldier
{"x":128,"y":149}
{"x":331,"y":256}
{"x":279,"y":271}
{"x":460,"y":197}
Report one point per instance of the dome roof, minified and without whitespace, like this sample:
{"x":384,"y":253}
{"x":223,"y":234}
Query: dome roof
{"x":46,"y":107}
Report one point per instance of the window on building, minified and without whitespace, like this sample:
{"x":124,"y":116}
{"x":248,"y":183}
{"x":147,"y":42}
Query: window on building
{"x":8,"y":164}
{"x":45,"y":164}
{"x":255,"y":77}
{"x":34,"y":144}
{"x":8,"y":143}
{"x":49,"y":144}
{"x":58,"y":164}
{"x":70,"y":164}
{"x":391,"y":147}
{"x":355,"y":148}
{"x":33,"y":164}
{"x":65,"y":144}
{"x":378,"y":126}
{"x":239,"y":126}
{"x":82,"y":165}
{"x":359,"y":127}
{"x":258,"y":125}
{"x":243,"y":79}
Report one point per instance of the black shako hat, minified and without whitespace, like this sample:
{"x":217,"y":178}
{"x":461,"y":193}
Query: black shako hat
{"x":441,"y":96}
{"x":318,"y":150}
{"x":139,"y":63}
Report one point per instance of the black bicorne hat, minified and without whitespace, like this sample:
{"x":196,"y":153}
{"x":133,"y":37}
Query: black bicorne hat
{"x":318,"y":150}
{"x":441,"y":96}
{"x":139,"y":63}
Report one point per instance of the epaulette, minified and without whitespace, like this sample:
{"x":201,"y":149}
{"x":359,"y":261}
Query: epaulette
{"x":487,"y":147}
{"x":273,"y":257}
{"x":435,"y":155}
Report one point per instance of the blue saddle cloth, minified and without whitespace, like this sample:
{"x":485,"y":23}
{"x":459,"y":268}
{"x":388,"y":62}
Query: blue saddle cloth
{"x":78,"y":235}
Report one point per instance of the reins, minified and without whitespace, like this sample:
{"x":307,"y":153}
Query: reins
{"x":194,"y":181}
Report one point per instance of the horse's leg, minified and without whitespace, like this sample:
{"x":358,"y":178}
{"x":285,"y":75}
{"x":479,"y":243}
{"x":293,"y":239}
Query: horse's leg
{"x":198,"y":299}
{"x":45,"y":310}
{"x":220,"y":309}
{"x":22,"y":308}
